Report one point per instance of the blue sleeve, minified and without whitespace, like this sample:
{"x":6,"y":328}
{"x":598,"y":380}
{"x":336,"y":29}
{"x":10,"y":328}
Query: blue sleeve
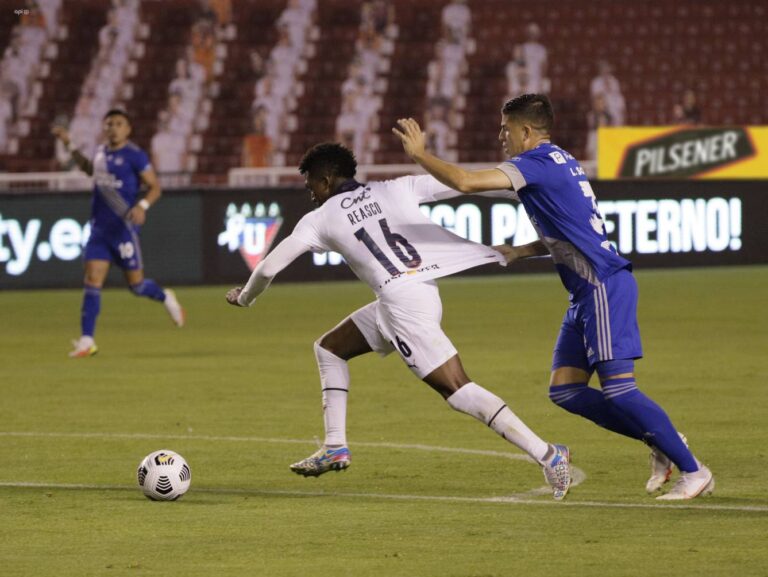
{"x":141,"y":161}
{"x":531,"y":168}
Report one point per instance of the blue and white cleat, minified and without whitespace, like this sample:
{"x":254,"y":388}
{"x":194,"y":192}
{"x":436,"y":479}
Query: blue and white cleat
{"x":557,"y":472}
{"x":322,"y":461}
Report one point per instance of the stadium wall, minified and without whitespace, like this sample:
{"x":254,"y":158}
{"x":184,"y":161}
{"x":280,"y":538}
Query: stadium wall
{"x":196,"y":236}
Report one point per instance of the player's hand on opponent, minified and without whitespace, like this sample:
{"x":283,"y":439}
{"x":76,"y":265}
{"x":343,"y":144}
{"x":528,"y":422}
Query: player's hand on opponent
{"x":412,"y":137}
{"x":233,"y":294}
{"x":509,"y":252}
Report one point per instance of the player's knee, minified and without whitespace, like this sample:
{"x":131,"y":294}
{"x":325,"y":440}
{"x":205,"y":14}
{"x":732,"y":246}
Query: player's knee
{"x":324,"y":343}
{"x":137,"y":289}
{"x":566,"y":395}
{"x":93,"y":280}
{"x":614,"y":368}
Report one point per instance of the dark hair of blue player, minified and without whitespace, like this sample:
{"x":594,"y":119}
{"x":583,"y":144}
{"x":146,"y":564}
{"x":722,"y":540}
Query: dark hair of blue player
{"x":533,"y":109}
{"x":117,"y":112}
{"x":329,"y":159}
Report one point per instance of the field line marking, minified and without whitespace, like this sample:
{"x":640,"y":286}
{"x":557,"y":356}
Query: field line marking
{"x":508,"y":500}
{"x":578,"y":476}
{"x":138,"y":436}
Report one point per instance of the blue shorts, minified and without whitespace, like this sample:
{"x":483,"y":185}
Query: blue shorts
{"x":600,"y":326}
{"x":119,"y":245}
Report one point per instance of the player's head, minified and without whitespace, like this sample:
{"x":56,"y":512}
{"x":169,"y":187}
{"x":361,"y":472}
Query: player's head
{"x":117,"y":127}
{"x":526,"y":121}
{"x":324,"y":167}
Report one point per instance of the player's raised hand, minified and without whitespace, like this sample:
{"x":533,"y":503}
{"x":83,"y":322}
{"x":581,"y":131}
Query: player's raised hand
{"x":233,"y":294}
{"x":411,"y":136}
{"x":61,"y":133}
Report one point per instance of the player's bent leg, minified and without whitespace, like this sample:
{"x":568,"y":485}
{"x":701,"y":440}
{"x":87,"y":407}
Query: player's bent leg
{"x":95,"y":273}
{"x":618,"y":382}
{"x":332,"y":351}
{"x":472,"y":399}
{"x":569,"y":390}
{"x":148,"y":288}
{"x":571,"y":371}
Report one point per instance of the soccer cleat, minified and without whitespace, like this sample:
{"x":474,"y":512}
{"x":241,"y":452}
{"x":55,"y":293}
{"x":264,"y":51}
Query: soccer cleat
{"x":661,"y":468}
{"x":557,"y":472}
{"x":691,"y":485}
{"x":178,"y":316}
{"x":322,"y":461}
{"x":84,"y":347}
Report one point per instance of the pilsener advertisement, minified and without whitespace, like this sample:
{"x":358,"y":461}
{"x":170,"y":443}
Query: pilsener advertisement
{"x":699,"y":152}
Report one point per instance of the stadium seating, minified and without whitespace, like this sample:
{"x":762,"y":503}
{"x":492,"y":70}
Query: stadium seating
{"x":657,"y":50}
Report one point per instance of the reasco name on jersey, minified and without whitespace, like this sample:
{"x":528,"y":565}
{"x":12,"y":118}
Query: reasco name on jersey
{"x":357,"y":215}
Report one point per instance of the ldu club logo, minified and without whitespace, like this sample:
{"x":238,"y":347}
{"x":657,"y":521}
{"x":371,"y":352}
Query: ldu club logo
{"x":251,"y":230}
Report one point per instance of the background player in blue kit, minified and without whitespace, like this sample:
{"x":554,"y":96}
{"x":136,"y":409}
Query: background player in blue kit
{"x":119,"y":169}
{"x":599,"y":332}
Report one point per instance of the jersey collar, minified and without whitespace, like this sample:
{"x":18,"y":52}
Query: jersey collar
{"x":347,"y":186}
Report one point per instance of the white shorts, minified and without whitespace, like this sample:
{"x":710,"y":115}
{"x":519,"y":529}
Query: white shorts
{"x":407,"y":321}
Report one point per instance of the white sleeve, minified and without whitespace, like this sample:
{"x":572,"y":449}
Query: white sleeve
{"x":428,"y":188}
{"x":283,"y":255}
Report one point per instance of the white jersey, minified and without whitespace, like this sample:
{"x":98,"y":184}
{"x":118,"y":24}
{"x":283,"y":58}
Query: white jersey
{"x":382,"y":234}
{"x":385,"y":238}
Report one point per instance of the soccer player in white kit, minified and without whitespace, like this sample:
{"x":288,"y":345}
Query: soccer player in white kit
{"x":391,"y":246}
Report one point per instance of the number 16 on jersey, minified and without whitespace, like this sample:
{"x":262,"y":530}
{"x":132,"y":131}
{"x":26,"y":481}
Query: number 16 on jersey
{"x":403,"y":249}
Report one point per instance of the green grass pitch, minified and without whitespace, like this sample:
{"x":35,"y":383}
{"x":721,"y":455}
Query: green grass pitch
{"x":430,"y":492}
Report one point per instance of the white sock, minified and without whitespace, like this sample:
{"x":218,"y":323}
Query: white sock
{"x":486,"y":407}
{"x":334,"y":380}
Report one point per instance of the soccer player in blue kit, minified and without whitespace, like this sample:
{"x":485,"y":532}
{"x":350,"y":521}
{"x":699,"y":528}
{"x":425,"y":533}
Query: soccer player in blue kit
{"x":599,"y":331}
{"x":119,"y":169}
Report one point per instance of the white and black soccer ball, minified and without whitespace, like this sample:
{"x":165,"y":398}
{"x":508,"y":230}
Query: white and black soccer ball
{"x":164,"y":476}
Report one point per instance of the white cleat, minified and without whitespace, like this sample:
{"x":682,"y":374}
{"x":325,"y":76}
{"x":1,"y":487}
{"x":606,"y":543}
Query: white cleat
{"x":178,"y":316}
{"x":661,"y":468}
{"x":691,"y":485}
{"x":557,"y":471}
{"x":84,"y":347}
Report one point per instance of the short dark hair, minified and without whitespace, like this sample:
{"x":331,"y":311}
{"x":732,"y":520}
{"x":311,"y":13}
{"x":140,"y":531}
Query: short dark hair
{"x":117,"y":112}
{"x":329,"y":159}
{"x":533,"y":108}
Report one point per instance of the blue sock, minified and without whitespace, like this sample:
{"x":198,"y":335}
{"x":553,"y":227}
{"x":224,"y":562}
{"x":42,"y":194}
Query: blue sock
{"x":658,"y":430}
{"x":579,"y":399}
{"x":150,"y":289}
{"x":90,"y":310}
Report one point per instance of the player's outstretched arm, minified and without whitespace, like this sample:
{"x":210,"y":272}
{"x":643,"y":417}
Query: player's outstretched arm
{"x":467,"y":181}
{"x":261,"y":277}
{"x":530,"y":250}
{"x":82,"y":162}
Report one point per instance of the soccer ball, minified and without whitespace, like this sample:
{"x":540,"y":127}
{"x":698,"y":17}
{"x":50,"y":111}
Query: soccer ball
{"x":164,"y":476}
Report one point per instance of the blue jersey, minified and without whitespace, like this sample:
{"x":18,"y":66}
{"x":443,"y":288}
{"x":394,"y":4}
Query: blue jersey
{"x":560,"y":202}
{"x":116,"y":184}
